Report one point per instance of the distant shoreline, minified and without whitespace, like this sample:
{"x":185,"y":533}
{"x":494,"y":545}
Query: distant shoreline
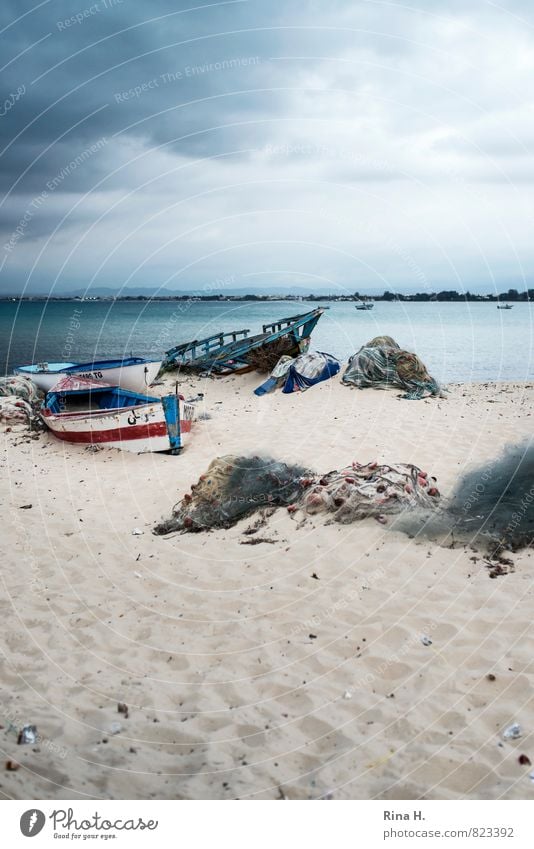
{"x":512,"y":296}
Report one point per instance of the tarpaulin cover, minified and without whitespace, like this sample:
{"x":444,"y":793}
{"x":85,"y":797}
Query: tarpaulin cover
{"x":300,"y":373}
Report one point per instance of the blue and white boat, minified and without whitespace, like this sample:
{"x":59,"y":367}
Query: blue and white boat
{"x":133,"y":373}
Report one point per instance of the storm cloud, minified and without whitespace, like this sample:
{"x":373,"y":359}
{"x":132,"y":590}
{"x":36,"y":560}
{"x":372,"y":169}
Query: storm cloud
{"x":328,"y":145}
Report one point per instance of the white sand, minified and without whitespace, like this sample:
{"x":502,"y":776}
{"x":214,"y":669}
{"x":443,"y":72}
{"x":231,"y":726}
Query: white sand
{"x":207,"y":640}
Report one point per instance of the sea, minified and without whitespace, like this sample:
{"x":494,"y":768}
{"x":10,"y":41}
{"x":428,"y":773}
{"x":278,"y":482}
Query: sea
{"x":457,"y":341}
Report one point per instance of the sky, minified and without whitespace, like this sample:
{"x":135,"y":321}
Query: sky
{"x":331,"y":146}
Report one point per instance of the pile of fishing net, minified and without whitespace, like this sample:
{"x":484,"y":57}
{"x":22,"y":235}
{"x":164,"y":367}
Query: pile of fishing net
{"x":359,"y":491}
{"x":232,"y":488}
{"x":299,"y":374}
{"x":382,"y":364}
{"x":235,"y":487}
{"x":14,"y":410}
{"x":19,"y":397}
{"x":492,"y":506}
{"x":22,"y":387}
{"x":496,"y":500}
{"x":266,"y":357}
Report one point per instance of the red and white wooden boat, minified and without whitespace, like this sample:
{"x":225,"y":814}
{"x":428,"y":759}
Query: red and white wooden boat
{"x":91,"y":413}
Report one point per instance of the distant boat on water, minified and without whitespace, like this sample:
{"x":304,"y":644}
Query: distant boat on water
{"x":504,"y":306}
{"x":364,"y":305}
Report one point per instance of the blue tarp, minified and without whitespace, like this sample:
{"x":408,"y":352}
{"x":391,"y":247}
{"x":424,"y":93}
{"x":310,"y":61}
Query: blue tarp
{"x":300,"y":373}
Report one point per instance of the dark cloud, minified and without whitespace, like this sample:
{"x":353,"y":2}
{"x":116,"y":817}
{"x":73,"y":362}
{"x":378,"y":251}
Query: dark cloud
{"x":235,"y":108}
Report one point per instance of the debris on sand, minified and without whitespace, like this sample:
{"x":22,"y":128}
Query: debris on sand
{"x":27,"y":735}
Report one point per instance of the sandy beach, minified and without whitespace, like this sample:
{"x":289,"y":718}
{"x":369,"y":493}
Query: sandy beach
{"x":289,"y":669}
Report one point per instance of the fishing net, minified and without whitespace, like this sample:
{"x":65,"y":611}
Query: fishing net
{"x":235,"y":487}
{"x":382,"y":342}
{"x":232,"y":488}
{"x":359,"y":491}
{"x":496,"y":500}
{"x":20,"y":386}
{"x":19,"y":398}
{"x":265,"y":358}
{"x":382,"y":364}
{"x":14,"y":410}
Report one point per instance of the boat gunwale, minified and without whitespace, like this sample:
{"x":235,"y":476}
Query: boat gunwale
{"x":106,"y":412}
{"x":95,"y":365}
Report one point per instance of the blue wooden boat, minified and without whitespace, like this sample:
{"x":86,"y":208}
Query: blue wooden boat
{"x":237,"y":352}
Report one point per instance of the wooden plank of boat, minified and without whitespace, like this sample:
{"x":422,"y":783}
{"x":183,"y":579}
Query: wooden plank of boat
{"x":207,"y":346}
{"x":133,"y":422}
{"x":134,"y":373}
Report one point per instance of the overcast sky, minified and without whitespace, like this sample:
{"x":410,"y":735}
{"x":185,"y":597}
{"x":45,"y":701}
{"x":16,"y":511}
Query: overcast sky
{"x":243,"y":144}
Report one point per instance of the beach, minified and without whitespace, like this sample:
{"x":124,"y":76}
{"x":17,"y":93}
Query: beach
{"x":291,"y":669}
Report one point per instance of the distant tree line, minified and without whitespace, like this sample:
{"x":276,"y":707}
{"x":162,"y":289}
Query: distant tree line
{"x":446,"y":295}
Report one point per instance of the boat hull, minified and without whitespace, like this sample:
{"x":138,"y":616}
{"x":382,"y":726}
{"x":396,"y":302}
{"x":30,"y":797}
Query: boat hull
{"x":214,"y":355}
{"x":139,"y":429}
{"x":132,"y":377}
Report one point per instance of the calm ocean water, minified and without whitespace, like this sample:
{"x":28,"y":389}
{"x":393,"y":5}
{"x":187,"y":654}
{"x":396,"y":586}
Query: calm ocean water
{"x":457,"y":341}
